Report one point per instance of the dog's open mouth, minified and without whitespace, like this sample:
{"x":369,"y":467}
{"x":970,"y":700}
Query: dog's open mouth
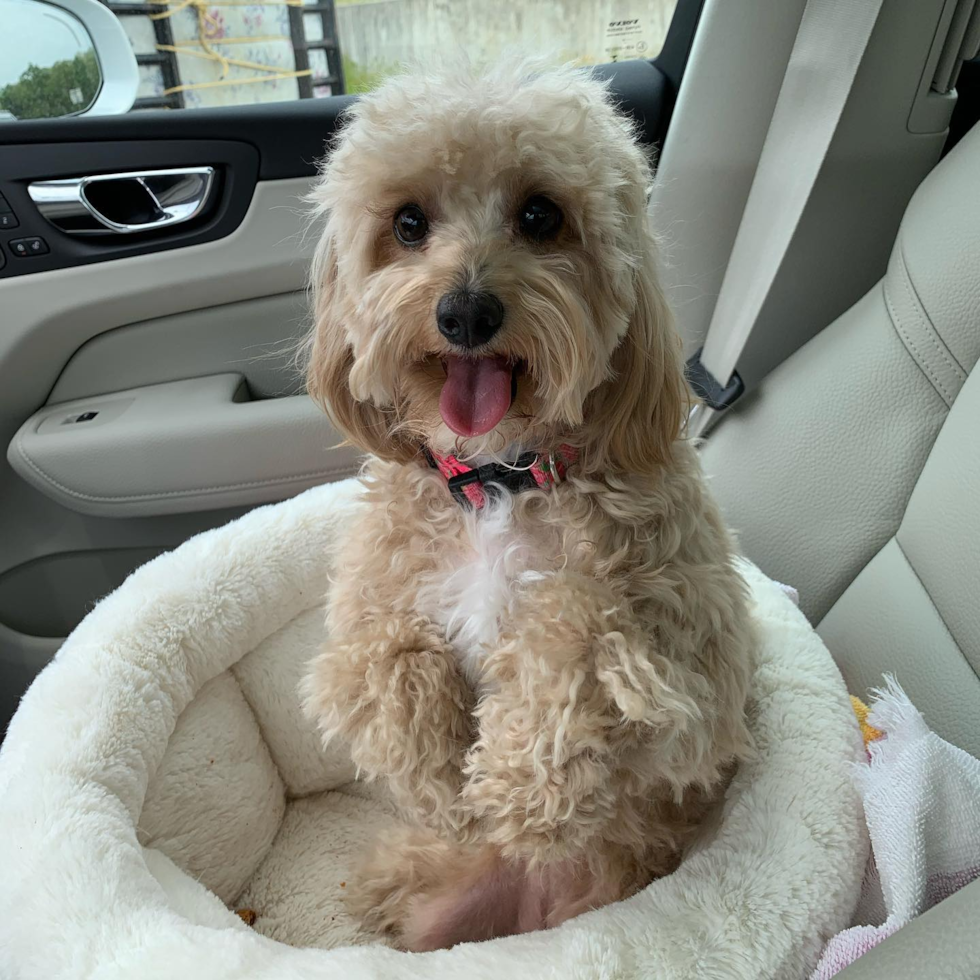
{"x":477,"y":393}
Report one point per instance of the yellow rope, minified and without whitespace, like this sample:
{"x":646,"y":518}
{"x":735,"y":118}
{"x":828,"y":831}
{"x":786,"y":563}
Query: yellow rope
{"x":222,"y":3}
{"x":205,"y":40}
{"x":238,"y":81}
{"x":180,"y":5}
{"x":209,"y":56}
{"x":259,"y":38}
{"x":203,"y":19}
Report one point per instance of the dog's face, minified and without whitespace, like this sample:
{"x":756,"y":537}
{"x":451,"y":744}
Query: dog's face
{"x":485,"y":276}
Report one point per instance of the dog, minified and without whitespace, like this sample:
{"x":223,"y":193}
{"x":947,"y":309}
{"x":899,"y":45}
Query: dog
{"x":537,"y":635}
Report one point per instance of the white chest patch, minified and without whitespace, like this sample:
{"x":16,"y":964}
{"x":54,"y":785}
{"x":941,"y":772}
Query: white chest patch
{"x":469,"y":594}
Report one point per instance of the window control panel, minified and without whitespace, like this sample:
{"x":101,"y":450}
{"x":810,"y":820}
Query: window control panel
{"x":25,"y":247}
{"x":21,"y":248}
{"x":8,"y":220}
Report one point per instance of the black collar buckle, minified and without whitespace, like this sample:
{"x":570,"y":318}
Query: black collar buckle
{"x":495,"y":476}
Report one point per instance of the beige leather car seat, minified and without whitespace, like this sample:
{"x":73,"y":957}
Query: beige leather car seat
{"x":853,"y":473}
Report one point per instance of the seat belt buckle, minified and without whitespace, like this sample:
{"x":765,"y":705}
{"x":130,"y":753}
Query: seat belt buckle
{"x":707,"y":387}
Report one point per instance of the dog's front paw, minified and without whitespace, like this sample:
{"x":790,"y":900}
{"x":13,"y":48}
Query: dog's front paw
{"x":395,"y":694}
{"x":534,"y":807}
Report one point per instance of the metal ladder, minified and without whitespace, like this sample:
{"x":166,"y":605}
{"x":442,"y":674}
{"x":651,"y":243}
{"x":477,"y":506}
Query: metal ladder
{"x":167,"y":60}
{"x":335,"y":66}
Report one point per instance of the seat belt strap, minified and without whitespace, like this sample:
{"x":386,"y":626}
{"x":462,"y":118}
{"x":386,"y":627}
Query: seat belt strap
{"x":829,"y":46}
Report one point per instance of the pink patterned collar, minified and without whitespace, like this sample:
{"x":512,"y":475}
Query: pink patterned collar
{"x":470,"y":484}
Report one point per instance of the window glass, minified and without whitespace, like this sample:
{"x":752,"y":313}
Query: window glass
{"x":208,"y":53}
{"x":50,"y":68}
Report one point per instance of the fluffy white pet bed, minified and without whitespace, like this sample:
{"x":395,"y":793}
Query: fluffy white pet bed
{"x":159,"y":773}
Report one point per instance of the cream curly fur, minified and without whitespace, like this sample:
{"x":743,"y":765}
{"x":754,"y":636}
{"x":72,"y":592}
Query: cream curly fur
{"x":554,"y":686}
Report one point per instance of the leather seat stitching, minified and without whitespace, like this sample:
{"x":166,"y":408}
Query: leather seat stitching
{"x":913,"y":350}
{"x":930,"y":328}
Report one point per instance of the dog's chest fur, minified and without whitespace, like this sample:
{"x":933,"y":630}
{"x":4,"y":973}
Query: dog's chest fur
{"x":469,"y":593}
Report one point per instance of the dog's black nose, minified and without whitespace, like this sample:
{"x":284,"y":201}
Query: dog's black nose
{"x":469,"y":319}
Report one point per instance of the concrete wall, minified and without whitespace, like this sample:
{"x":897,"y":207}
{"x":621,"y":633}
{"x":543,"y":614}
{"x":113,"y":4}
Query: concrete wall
{"x":378,"y":36}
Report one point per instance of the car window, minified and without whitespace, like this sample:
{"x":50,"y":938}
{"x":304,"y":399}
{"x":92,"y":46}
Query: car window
{"x":211,"y":53}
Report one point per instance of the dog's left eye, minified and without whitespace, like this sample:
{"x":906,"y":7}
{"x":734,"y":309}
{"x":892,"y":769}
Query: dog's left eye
{"x":539,"y":218}
{"x":411,"y":225}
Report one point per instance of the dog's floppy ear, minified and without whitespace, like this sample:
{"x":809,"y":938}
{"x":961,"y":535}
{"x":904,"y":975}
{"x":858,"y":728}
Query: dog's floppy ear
{"x":635,"y":417}
{"x":328,"y":365}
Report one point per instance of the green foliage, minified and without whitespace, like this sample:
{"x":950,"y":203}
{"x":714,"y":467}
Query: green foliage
{"x":358,"y":78}
{"x":41,"y":93}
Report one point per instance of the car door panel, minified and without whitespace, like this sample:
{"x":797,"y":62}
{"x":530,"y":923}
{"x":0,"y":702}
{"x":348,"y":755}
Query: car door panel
{"x":256,"y":338}
{"x":206,"y":291}
{"x":192,"y":445}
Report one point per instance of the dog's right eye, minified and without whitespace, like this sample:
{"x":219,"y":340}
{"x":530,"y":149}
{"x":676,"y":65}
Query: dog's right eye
{"x":539,"y":218}
{"x":411,"y":226}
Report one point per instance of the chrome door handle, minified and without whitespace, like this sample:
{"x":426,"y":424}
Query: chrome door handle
{"x":124,"y":204}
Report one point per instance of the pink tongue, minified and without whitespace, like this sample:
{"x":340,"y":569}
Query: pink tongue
{"x":476,"y":394}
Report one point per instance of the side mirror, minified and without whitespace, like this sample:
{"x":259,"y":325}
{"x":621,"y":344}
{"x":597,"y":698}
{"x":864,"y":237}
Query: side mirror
{"x":63,"y":58}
